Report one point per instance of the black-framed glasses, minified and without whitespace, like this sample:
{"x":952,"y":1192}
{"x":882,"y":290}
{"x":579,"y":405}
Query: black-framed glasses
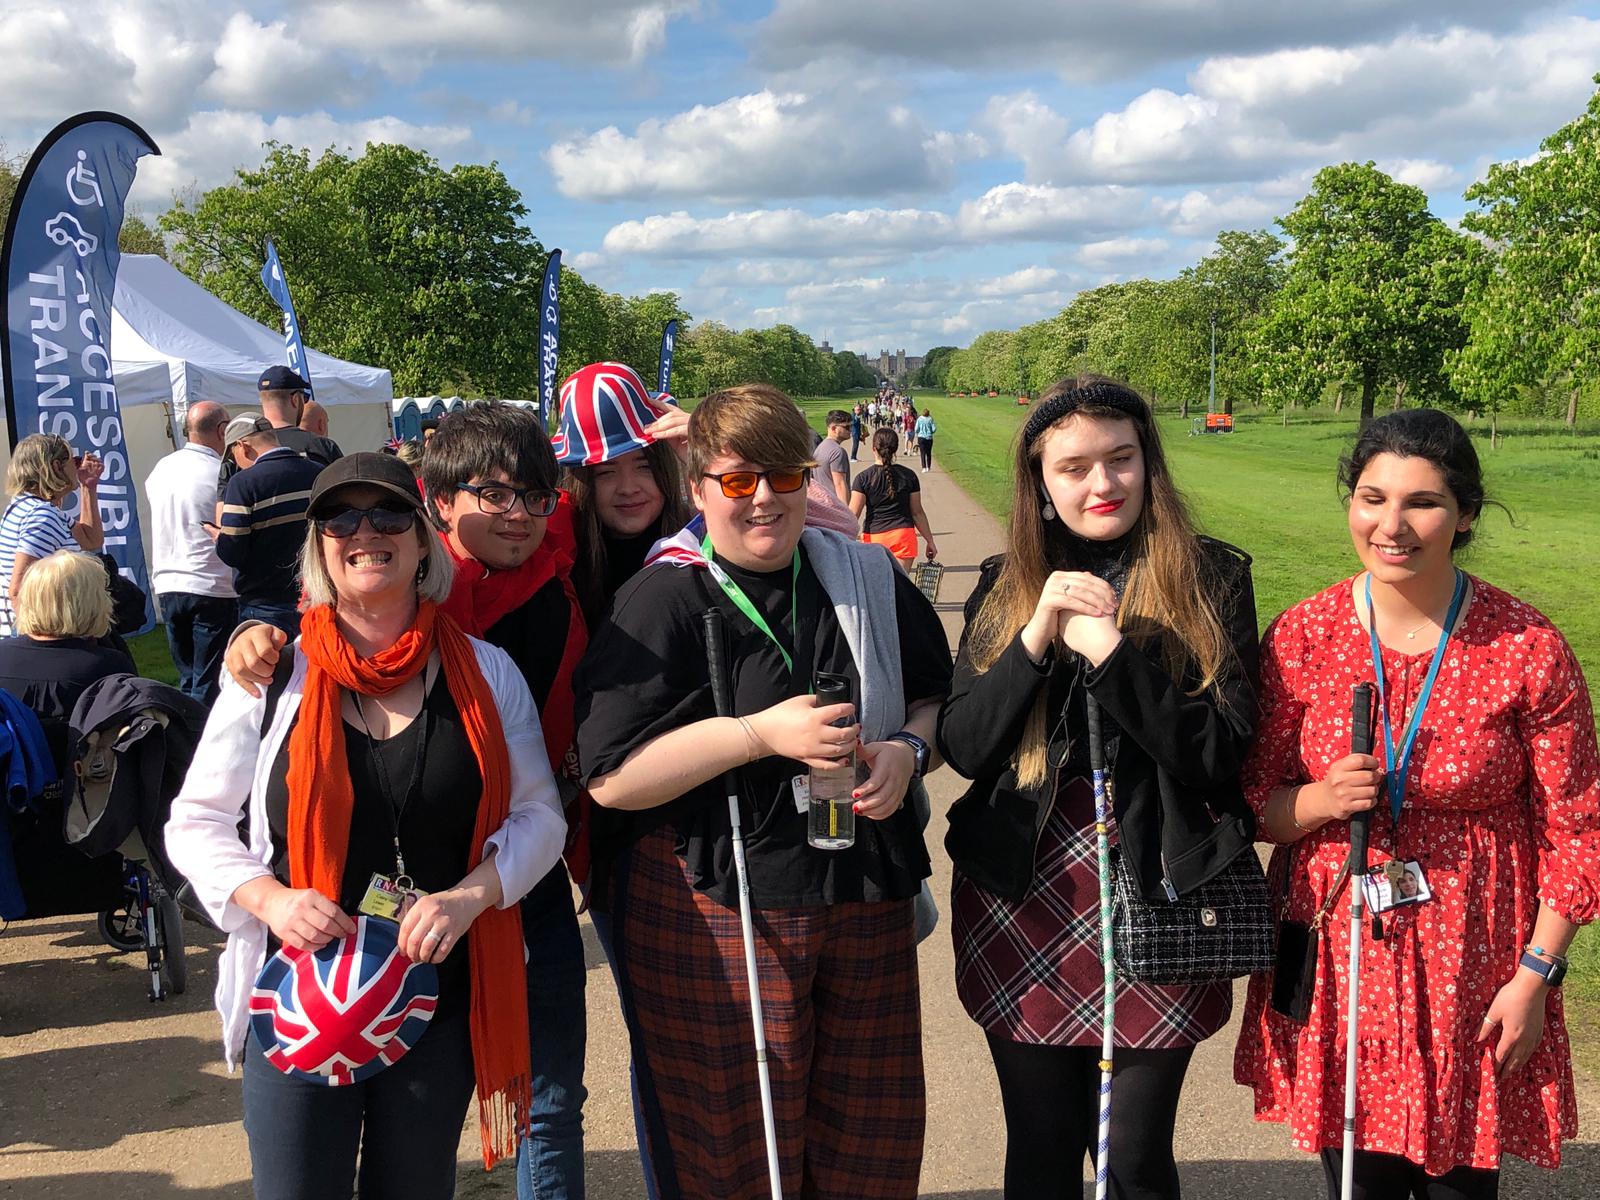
{"x":343,"y":522}
{"x":739,"y":485}
{"x":502,"y":498}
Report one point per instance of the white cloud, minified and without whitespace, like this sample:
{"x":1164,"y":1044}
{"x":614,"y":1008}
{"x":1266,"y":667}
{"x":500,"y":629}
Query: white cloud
{"x":1010,"y":212}
{"x":1028,"y":281}
{"x":1413,"y":99}
{"x":1425,"y":173}
{"x":1094,"y":37}
{"x":397,"y":34}
{"x":214,"y":144}
{"x":1118,"y":252}
{"x":761,"y":145}
{"x":265,"y":66}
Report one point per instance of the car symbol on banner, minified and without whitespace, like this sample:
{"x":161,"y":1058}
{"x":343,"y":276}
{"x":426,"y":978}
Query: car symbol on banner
{"x":64,"y":229}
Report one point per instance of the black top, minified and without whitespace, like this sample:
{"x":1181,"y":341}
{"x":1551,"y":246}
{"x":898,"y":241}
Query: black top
{"x":49,"y":676}
{"x":1175,"y":760}
{"x":885,"y":512}
{"x":436,"y":820}
{"x":534,"y":634}
{"x":645,"y":674}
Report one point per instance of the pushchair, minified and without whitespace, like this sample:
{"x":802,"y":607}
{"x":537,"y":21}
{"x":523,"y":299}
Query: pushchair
{"x":89,"y":840}
{"x":132,"y":742}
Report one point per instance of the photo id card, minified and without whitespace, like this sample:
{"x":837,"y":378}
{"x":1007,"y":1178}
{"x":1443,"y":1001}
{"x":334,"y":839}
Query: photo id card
{"x":383,"y":899}
{"x":1394,"y":884}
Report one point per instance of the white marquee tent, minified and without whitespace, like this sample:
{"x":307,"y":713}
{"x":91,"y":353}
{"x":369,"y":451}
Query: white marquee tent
{"x":173,"y":343}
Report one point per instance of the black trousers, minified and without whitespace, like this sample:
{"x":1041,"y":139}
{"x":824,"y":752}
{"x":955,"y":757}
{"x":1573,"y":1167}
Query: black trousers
{"x":925,"y":445}
{"x":1051,"y":1096}
{"x":1390,"y":1177}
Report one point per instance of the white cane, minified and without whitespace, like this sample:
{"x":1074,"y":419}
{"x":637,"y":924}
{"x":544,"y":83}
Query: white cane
{"x":1108,"y":1005}
{"x":1360,"y":743}
{"x":724,"y":703}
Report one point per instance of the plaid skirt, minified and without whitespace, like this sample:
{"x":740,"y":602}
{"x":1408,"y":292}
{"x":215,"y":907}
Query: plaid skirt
{"x":1031,"y":972}
{"x":843,"y":1021}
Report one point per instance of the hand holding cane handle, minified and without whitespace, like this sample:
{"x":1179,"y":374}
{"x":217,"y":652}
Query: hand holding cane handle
{"x":1360,"y":743}
{"x":715,"y":653}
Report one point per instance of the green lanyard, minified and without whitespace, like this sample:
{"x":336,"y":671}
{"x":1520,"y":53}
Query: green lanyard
{"x":744,"y":604}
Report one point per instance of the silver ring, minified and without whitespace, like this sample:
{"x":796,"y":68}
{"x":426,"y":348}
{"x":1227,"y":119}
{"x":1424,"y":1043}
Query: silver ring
{"x":432,"y":936}
{"x":1064,"y":586}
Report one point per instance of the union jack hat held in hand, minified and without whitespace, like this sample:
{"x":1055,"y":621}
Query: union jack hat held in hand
{"x":604,"y":409}
{"x":344,"y":1013}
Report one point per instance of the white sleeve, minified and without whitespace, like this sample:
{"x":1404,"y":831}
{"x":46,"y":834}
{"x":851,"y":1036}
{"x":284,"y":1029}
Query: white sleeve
{"x":202,"y":834}
{"x":529,"y":843}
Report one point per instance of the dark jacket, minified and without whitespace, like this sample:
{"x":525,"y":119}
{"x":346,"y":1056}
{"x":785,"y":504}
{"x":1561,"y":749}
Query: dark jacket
{"x":264,"y":526}
{"x":1180,"y":812}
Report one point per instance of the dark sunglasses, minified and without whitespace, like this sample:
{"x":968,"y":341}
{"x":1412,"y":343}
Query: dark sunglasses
{"x":502,"y":498}
{"x":343,"y":522}
{"x":738,"y":485}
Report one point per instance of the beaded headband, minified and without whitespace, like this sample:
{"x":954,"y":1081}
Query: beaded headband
{"x":1095,"y":395}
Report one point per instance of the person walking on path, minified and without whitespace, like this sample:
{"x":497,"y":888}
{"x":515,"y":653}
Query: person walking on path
{"x":887,"y":499}
{"x":43,"y":472}
{"x":835,"y":927}
{"x":193,"y":586}
{"x":858,"y":414}
{"x":1487,"y":790}
{"x":1095,"y":596}
{"x":262,"y":527}
{"x":833,"y":464}
{"x":924,"y":429}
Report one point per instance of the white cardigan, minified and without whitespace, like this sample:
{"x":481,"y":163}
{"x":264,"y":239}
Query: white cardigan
{"x":233,"y":762}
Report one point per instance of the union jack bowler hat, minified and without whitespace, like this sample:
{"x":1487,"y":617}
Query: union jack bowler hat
{"x":344,"y":1013}
{"x":604,"y":409}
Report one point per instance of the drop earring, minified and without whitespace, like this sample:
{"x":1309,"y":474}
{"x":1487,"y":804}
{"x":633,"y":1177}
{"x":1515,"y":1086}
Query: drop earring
{"x":422,"y":570}
{"x":1048,"y":511}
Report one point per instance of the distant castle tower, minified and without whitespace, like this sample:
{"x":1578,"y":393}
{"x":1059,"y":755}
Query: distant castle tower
{"x":825,"y":348}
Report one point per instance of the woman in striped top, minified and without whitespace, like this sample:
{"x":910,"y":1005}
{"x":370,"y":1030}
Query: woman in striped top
{"x":44,"y":471}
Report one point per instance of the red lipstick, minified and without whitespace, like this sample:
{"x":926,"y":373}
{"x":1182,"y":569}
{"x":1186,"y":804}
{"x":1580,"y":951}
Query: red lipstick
{"x":1110,"y":506}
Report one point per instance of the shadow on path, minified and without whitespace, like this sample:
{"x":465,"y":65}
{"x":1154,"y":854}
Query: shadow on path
{"x":125,"y":1185}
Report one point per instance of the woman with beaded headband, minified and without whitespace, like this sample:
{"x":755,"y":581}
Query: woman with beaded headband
{"x":1105,"y":590}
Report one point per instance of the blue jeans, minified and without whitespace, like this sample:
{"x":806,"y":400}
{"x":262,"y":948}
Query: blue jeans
{"x":405,"y":1120}
{"x":197,"y":634}
{"x":285,"y":616}
{"x":605,"y":930}
{"x":550,"y":1159}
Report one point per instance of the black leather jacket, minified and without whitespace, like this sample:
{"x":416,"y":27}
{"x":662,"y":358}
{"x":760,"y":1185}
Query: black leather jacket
{"x":1180,"y":812}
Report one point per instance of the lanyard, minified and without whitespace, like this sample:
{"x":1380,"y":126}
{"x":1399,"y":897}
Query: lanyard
{"x":745,"y":605}
{"x":396,"y":806}
{"x":1397,"y":765}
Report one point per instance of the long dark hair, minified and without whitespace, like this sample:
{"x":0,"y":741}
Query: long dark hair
{"x":886,"y":444}
{"x":1423,"y":433}
{"x":589,"y":571}
{"x":1165,"y":606}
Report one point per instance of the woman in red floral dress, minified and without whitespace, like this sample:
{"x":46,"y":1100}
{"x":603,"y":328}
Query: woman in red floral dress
{"x":1463,"y":1053}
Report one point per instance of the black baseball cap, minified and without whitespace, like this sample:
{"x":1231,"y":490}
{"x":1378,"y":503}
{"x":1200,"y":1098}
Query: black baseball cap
{"x":383,"y":471}
{"x":281,"y":379}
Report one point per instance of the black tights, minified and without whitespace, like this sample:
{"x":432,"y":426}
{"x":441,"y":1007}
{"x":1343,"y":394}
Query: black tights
{"x":1051,"y":1096}
{"x":1390,"y":1177}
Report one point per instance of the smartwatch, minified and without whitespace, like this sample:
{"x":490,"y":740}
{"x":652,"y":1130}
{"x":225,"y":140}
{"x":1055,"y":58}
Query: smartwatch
{"x":1553,"y":973}
{"x":918,"y":747}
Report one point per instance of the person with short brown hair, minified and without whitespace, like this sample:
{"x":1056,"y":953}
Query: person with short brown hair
{"x":837,"y":951}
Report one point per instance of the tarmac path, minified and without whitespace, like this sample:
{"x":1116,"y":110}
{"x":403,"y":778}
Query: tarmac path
{"x":102,"y":1093}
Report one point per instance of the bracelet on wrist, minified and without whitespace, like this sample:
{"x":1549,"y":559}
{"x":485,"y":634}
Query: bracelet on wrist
{"x":1294,"y":819}
{"x":753,"y":743}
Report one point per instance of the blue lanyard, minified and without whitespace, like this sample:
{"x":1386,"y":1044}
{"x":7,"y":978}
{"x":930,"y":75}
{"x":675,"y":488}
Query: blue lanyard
{"x":1397,"y":765}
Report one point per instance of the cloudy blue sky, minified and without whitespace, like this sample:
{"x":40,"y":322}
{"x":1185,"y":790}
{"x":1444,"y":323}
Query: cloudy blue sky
{"x":880,"y":173}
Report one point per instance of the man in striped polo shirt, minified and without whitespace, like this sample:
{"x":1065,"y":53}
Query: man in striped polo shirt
{"x":264,"y":521}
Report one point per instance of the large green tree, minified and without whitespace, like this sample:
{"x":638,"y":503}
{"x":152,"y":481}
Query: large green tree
{"x":1534,"y":314}
{"x":1367,"y":293}
{"x":393,"y":260}
{"x":1237,"y":285}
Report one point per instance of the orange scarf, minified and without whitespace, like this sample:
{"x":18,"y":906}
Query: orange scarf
{"x":321,"y":802}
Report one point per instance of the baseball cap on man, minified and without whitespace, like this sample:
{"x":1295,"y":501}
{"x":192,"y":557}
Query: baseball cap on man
{"x":382,"y":471}
{"x":281,"y":379}
{"x":243,"y":426}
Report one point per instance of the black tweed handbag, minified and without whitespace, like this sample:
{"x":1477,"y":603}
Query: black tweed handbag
{"x":1222,"y":930}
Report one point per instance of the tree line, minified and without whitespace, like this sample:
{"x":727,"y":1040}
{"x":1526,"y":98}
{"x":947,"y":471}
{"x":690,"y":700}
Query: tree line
{"x":1367,"y":298}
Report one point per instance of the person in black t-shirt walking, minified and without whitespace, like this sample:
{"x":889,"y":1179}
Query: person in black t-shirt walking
{"x":887,"y":499}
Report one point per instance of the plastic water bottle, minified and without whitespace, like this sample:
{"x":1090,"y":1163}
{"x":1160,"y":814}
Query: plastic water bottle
{"x":831,"y":823}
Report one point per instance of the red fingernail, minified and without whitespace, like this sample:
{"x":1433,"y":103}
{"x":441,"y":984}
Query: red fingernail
{"x":855,"y":795}
{"x":855,"y":808}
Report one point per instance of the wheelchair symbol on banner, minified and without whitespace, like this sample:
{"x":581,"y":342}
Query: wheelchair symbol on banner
{"x":82,"y":174}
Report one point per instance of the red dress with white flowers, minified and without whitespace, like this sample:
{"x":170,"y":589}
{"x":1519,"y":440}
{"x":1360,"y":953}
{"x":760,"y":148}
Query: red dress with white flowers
{"x":1502,"y":808}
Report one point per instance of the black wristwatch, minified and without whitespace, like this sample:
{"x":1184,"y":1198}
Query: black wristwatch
{"x":1553,"y":973}
{"x":918,"y":747}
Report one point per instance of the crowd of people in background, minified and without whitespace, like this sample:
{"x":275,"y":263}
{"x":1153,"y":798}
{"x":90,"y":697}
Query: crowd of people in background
{"x":474,"y":670}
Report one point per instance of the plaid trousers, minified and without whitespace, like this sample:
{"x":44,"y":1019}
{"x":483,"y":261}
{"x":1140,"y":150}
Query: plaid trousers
{"x":844,"y":1038}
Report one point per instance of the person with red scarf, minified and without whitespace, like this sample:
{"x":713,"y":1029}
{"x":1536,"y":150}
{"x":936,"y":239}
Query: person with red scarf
{"x":399,"y":746}
{"x":490,"y":477}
